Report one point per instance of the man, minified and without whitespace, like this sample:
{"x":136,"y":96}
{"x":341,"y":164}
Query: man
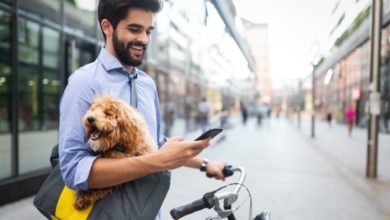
{"x":126,"y":26}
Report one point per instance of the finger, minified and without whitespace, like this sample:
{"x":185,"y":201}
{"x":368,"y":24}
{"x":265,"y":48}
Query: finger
{"x":177,"y":138}
{"x":207,"y":140}
{"x":196,"y":144}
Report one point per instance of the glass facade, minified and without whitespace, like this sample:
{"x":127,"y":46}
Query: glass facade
{"x":46,"y":10}
{"x":350,"y":84}
{"x":81,"y":18}
{"x":38,"y":95}
{"x":5,"y":94}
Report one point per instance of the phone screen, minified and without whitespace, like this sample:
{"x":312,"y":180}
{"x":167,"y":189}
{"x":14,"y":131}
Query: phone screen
{"x":209,"y":134}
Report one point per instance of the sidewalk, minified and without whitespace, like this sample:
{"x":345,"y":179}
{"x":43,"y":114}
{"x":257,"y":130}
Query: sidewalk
{"x":288,"y":173}
{"x":294,"y":176}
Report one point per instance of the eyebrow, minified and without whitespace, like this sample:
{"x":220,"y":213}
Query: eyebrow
{"x":140,"y":26}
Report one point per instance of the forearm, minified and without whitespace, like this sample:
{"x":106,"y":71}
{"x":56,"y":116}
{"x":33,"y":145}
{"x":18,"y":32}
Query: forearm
{"x":194,"y":163}
{"x":173,"y":154}
{"x":107,"y":172}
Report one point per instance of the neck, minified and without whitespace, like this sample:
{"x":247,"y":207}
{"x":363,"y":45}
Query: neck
{"x":110,"y":49}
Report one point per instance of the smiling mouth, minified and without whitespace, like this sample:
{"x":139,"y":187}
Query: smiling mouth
{"x":95,"y":134}
{"x":138,"y":48}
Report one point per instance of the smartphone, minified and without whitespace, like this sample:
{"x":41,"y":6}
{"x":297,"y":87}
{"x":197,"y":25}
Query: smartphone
{"x":209,"y":134}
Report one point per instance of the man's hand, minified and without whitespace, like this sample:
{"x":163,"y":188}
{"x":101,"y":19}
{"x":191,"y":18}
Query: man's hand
{"x":215,"y":169}
{"x":176,"y":152}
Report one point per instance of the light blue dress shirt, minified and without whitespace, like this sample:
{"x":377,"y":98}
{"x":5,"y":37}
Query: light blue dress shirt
{"x":105,"y":76}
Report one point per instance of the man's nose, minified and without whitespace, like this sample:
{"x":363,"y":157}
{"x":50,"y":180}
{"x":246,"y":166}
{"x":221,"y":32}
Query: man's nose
{"x":144,"y":38}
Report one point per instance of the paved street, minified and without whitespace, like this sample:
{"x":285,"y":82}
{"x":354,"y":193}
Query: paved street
{"x":294,"y":176}
{"x":288,"y":173}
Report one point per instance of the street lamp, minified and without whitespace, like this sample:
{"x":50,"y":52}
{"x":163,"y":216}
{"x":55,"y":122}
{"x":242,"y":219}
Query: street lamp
{"x":316,"y":59}
{"x":374,"y":103}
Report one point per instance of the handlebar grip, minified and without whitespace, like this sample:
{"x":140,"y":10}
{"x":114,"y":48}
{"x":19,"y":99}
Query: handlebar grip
{"x":227,"y":171}
{"x":184,"y":210}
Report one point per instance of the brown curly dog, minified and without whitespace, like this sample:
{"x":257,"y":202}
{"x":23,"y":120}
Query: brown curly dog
{"x":115,"y":130}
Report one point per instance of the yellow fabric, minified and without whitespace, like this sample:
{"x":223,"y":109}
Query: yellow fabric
{"x":65,"y":209}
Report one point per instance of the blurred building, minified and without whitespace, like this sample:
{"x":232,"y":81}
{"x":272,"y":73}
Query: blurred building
{"x":342,"y":79}
{"x":195,"y":52}
{"x":257,"y":37}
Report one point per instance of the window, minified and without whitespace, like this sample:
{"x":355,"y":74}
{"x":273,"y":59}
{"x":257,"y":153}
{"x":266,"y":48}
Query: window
{"x":6,"y":1}
{"x":81,"y":19}
{"x":46,"y":9}
{"x":38,"y":94}
{"x":50,"y":81}
{"x":5,"y":95}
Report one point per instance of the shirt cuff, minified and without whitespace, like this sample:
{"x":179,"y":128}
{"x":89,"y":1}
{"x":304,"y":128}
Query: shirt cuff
{"x":82,"y":172}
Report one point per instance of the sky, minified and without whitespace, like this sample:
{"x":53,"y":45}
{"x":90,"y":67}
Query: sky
{"x":294,"y":29}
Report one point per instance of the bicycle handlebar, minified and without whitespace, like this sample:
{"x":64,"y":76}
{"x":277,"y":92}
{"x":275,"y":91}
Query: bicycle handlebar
{"x":212,"y":198}
{"x":207,"y":201}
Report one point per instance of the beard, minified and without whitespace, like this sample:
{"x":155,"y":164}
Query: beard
{"x":123,"y":51}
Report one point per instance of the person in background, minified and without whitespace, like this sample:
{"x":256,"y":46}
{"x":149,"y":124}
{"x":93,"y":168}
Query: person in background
{"x":244,"y":112}
{"x":329,"y":118}
{"x":350,"y":115}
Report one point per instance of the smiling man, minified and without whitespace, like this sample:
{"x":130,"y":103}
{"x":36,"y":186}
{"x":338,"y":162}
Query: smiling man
{"x":126,"y":26}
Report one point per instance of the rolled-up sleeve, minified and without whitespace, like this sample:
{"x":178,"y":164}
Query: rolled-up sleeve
{"x":75,"y":158}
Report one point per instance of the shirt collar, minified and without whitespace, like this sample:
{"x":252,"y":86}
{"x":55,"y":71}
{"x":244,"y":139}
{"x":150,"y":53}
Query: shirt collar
{"x":110,"y":62}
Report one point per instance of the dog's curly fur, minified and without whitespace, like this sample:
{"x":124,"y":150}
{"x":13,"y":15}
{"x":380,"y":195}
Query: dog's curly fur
{"x":110,"y":123}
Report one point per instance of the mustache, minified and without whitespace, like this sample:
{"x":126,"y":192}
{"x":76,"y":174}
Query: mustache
{"x":137,"y":44}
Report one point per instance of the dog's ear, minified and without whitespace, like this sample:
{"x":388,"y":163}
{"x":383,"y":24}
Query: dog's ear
{"x":128,"y":121}
{"x":112,"y":109}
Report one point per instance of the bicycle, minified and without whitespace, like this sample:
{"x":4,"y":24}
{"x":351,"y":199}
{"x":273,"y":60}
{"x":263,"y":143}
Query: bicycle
{"x":212,"y":200}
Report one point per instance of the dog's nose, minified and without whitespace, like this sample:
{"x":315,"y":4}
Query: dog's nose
{"x":90,"y":120}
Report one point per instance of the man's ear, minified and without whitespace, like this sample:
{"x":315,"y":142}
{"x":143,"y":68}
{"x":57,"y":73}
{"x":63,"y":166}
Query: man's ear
{"x":107,"y":28}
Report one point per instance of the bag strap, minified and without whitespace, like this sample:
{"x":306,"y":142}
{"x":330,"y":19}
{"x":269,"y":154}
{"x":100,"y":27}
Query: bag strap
{"x":54,"y":156}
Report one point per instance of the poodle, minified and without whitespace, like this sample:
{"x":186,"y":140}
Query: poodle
{"x":115,"y":130}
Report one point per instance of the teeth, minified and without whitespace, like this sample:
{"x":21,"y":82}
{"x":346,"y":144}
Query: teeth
{"x":137,"y":47}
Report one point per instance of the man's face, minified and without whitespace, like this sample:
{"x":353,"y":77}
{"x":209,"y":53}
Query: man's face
{"x":131,"y":37}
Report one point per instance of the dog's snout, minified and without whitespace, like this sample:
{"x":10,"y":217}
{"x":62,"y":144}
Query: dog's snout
{"x":91,"y":120}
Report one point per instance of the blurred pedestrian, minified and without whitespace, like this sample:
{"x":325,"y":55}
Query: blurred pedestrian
{"x":329,"y":118}
{"x":350,"y":116}
{"x":259,"y":114}
{"x":244,"y":113}
{"x":267,"y":112}
{"x":203,"y":114}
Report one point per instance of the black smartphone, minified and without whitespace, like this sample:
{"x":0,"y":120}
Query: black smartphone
{"x":209,"y":134}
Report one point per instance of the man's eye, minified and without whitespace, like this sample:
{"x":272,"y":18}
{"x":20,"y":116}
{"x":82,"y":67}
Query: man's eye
{"x":134,"y":30}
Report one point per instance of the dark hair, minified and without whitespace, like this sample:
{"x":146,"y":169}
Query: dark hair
{"x":116,"y":10}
